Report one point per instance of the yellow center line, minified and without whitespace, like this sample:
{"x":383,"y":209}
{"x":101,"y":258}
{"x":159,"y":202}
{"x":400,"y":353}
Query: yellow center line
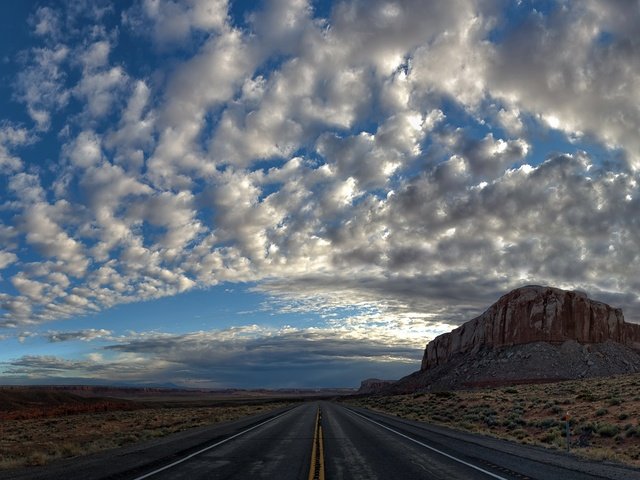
{"x":316,"y":470}
{"x":321,"y":445}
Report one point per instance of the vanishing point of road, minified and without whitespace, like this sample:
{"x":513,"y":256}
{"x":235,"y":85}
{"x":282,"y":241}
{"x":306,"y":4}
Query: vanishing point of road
{"x":326,"y":440}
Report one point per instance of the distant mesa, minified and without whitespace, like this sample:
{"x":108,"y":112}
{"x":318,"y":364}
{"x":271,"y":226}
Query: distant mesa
{"x":531,"y":334}
{"x":374,"y":385}
{"x":535,"y":314}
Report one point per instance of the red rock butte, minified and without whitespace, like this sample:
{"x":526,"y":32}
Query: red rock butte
{"x":535,"y":314}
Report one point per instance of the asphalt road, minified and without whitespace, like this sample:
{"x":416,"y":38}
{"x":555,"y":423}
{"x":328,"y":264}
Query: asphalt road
{"x":278,"y":449}
{"x":356,"y":444}
{"x":360,"y":444}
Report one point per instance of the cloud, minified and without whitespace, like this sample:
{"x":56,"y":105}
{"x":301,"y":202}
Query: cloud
{"x":84,"y":335}
{"x":170,"y":22}
{"x":41,"y":85}
{"x":12,"y":137}
{"x":240,"y":356}
{"x":416,"y":158}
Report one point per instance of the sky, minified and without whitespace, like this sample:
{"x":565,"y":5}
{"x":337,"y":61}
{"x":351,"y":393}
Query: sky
{"x":297,"y":193}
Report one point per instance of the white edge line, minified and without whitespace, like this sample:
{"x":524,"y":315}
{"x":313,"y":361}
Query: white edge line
{"x":146,"y":475}
{"x":431,"y":448}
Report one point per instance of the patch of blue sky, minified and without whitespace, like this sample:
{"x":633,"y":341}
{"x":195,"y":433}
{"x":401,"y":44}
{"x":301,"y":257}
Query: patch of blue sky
{"x":14,"y":34}
{"x":215,"y":308}
{"x":547,"y":142}
{"x":135,"y":53}
{"x":604,"y":39}
{"x":39,"y":345}
{"x":239,"y":10}
{"x":516,"y":13}
{"x":322,"y":8}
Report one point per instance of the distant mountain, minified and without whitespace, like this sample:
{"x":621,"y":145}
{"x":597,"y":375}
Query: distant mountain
{"x":374,"y":385}
{"x":531,"y":334}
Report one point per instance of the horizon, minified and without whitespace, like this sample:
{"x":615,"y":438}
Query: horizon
{"x":301,"y":194}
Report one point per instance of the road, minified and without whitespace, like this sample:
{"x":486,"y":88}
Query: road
{"x":331,"y":441}
{"x":278,"y":449}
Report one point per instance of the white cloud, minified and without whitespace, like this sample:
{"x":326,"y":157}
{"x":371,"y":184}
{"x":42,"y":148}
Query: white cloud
{"x":84,"y":335}
{"x":10,"y":138}
{"x":41,"y":85}
{"x":96,"y":55}
{"x":382,"y":155}
{"x":7,"y":258}
{"x":100,"y":89}
{"x":46,"y":22}
{"x":171,"y":22}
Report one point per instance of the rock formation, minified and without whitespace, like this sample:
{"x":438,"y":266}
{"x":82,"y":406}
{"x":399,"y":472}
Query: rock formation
{"x":373,"y":385}
{"x":535,"y":314}
{"x":532,"y":334}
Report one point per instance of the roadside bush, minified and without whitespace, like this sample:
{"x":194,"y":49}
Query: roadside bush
{"x":557,"y":409}
{"x":608,"y":430}
{"x":490,"y":421}
{"x":444,"y":394}
{"x":551,"y":436}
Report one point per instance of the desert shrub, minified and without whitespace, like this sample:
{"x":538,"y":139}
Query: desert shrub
{"x":520,"y":433}
{"x":601,"y":411}
{"x":614,"y":402}
{"x":471,"y":417}
{"x":550,"y":437}
{"x":586,"y":396}
{"x":511,"y":390}
{"x":444,"y":394}
{"x":623,"y":416}
{"x":608,"y":430}
{"x":547,"y":423}
{"x":440,"y":418}
{"x":37,"y":459}
{"x":490,"y":421}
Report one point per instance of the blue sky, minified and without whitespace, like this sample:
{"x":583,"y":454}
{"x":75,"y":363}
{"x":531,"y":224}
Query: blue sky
{"x":215,"y":193}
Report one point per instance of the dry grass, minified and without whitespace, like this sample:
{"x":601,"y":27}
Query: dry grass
{"x":605,"y":414}
{"x":36,"y":441}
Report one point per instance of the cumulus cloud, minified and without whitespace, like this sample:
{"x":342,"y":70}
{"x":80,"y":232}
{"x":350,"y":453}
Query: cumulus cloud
{"x":416,"y":159}
{"x":41,"y":85}
{"x":10,"y":138}
{"x":171,"y":22}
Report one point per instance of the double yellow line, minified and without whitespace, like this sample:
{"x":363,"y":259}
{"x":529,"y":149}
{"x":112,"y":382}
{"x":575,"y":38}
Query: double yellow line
{"x":316,"y":471}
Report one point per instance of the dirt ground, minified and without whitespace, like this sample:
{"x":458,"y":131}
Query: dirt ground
{"x":604,"y":414}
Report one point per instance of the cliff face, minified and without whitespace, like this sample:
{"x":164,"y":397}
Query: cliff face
{"x":535,"y":314}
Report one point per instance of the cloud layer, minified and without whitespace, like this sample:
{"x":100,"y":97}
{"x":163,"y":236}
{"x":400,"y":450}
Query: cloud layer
{"x":420,"y":158}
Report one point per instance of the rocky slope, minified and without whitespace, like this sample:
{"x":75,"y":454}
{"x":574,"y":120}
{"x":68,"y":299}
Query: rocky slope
{"x":532,"y":334}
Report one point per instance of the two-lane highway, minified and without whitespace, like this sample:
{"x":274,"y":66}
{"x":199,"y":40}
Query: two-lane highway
{"x":357,"y":444}
{"x":339,"y":443}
